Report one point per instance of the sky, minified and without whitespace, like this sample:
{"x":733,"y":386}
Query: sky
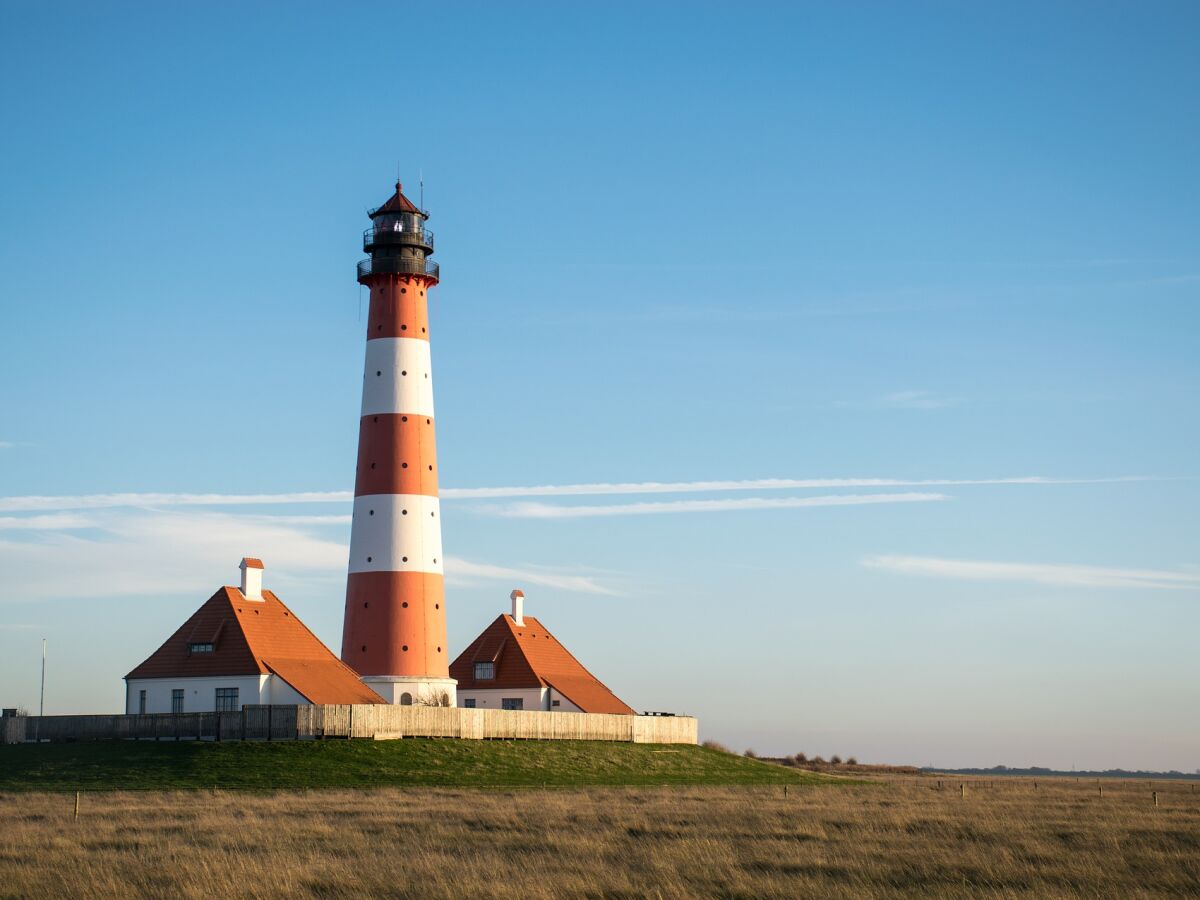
{"x":829,"y":372}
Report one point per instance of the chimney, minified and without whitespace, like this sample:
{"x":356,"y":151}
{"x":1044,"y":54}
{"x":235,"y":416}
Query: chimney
{"x":518,"y":613}
{"x":252,"y":572}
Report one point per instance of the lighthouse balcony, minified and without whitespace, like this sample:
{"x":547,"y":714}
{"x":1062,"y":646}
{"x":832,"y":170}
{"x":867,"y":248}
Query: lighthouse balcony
{"x":398,"y":265}
{"x":395,"y":233}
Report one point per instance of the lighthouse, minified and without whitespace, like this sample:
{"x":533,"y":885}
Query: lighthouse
{"x":394,"y":634}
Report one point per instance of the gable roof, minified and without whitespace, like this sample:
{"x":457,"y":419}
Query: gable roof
{"x":256,"y":637}
{"x":529,"y":656}
{"x":397,"y":203}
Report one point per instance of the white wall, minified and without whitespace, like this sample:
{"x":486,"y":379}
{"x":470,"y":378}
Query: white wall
{"x":532,"y":698}
{"x":279,"y":691}
{"x":564,"y":705}
{"x":200,"y":694}
{"x":420,"y":689}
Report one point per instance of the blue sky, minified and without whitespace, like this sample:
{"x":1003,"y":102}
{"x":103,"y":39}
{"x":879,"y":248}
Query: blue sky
{"x":942,"y":245}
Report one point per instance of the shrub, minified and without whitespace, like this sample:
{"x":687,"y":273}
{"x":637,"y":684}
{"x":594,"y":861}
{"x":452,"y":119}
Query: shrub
{"x":851,"y":761}
{"x":716,"y":745}
{"x":835,"y":760}
{"x":750,"y":753}
{"x":817,"y":761}
{"x":800,"y":759}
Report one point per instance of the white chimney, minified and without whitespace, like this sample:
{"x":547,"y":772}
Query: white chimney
{"x":252,"y":572}
{"x":518,"y":613}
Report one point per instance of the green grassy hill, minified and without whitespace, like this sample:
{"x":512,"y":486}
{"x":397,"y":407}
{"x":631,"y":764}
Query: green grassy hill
{"x":147,"y":765}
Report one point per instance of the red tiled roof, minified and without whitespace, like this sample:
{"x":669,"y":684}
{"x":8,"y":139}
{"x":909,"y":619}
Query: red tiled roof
{"x":251,"y":563}
{"x":323,"y":680}
{"x":528,"y":656}
{"x":397,"y":203}
{"x":254,"y":637}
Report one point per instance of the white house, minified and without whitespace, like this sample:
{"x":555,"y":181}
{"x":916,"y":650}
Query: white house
{"x":516,"y":663}
{"x":243,"y":646}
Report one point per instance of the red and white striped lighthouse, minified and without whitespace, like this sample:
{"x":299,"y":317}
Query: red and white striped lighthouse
{"x":395,"y":628}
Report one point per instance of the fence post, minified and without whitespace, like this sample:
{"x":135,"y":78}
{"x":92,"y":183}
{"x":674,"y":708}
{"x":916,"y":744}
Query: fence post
{"x":1155,"y":797}
{"x":76,"y":806}
{"x":270,"y":719}
{"x":962,"y":789}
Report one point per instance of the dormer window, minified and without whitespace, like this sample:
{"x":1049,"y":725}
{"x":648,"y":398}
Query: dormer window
{"x":200,"y":648}
{"x":485,"y":671}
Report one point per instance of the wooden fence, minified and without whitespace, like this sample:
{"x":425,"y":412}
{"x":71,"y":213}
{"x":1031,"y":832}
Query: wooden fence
{"x":375,"y":722}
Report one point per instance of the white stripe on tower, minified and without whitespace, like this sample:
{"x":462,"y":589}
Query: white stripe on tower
{"x":396,"y":533}
{"x":397,"y":377}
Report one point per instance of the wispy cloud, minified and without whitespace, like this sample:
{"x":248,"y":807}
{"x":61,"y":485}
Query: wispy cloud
{"x":756,"y":484}
{"x":917,"y":400}
{"x":138,"y":552}
{"x":47,"y":503}
{"x":135,"y":552}
{"x":54,"y":522}
{"x":461,"y":571}
{"x":112,"y":501}
{"x":304,"y":520}
{"x":902,"y":400}
{"x":553,"y":511}
{"x":1036,"y":573}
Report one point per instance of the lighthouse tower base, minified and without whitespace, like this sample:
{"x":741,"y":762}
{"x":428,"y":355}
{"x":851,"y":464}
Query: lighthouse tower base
{"x":414,"y":690}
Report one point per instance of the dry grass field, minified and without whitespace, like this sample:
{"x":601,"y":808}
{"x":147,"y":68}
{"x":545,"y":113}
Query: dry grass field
{"x":900,"y":837}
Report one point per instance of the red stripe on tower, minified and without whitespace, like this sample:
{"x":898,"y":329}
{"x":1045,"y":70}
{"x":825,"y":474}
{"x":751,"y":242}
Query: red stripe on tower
{"x":395,"y":627}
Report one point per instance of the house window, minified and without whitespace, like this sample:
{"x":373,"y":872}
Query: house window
{"x":200,"y":648}
{"x":142,"y":702}
{"x":485,"y":671}
{"x":406,"y":699}
{"x":177,"y":700}
{"x":469,"y":703}
{"x":512,"y":703}
{"x":556,"y":703}
{"x":227,"y":699}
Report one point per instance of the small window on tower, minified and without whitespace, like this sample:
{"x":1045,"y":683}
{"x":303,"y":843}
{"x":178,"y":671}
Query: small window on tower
{"x":485,"y":671}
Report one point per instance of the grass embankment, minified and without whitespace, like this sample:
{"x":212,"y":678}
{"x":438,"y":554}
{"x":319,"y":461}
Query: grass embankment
{"x":145,"y":765}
